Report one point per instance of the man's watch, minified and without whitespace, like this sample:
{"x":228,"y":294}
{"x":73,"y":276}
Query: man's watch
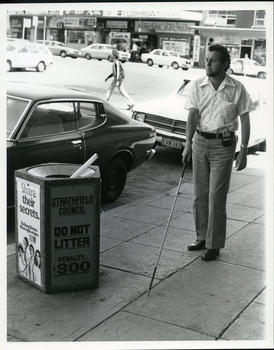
{"x":244,"y":146}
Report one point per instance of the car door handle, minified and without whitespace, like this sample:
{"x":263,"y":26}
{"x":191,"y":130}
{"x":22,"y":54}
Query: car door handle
{"x":77,"y":143}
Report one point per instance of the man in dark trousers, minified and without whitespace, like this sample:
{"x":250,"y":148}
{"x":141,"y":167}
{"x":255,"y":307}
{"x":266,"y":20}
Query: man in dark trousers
{"x":214,"y":103}
{"x":118,"y":75}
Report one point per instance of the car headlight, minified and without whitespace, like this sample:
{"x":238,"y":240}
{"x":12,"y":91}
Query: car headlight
{"x":140,"y":117}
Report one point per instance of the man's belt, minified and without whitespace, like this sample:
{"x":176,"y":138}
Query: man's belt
{"x":210,"y":135}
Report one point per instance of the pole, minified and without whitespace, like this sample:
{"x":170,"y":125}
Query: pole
{"x":170,"y":215}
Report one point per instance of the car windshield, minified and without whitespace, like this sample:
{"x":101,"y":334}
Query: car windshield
{"x":15,"y":109}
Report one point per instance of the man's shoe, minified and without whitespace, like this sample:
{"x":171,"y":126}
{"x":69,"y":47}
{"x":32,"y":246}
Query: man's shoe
{"x":211,"y":254}
{"x":198,"y":245}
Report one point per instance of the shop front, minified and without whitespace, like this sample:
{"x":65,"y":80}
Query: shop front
{"x":240,"y":42}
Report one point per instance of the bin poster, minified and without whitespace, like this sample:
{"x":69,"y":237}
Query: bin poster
{"x":72,"y":232}
{"x":29,"y":231}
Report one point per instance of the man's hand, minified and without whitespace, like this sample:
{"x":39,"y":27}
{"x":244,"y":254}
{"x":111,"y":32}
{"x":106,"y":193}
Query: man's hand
{"x":187,"y":153}
{"x":241,"y":160}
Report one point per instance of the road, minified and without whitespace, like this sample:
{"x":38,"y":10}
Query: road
{"x":163,"y":171}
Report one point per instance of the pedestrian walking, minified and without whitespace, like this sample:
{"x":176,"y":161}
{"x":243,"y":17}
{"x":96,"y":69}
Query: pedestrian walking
{"x":134,"y":52}
{"x":118,"y":75}
{"x":214,"y":103}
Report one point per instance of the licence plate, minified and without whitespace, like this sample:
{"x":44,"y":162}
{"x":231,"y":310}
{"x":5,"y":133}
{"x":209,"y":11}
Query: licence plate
{"x":172,"y":143}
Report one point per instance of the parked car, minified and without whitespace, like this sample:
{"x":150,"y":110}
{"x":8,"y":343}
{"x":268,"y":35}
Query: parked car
{"x":102,"y":52}
{"x":24,"y":54}
{"x":248,"y":67}
{"x":169,"y":117}
{"x":60,"y":49}
{"x":166,"y":58}
{"x":53,"y":124}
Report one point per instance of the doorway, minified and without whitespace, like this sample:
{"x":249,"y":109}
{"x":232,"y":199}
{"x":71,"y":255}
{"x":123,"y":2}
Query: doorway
{"x":245,"y":50}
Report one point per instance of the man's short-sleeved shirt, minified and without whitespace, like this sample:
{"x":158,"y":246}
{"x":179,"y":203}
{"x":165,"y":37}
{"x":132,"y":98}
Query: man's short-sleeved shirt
{"x":219,"y":109}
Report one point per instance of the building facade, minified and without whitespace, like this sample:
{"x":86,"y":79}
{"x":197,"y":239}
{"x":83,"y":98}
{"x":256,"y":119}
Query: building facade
{"x":242,"y":32}
{"x":187,"y":32}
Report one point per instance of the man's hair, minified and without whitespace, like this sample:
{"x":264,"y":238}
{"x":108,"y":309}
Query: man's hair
{"x":224,"y":54}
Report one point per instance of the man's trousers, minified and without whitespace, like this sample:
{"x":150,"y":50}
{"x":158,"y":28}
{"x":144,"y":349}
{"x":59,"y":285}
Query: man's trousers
{"x":122,"y":90}
{"x":212,"y":166}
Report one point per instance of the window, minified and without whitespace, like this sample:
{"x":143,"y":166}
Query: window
{"x":86,"y":113}
{"x":11,"y":48}
{"x":58,"y":117}
{"x":165,"y":53}
{"x":51,"y":119}
{"x":76,"y":37}
{"x":223,"y":17}
{"x":23,"y":48}
{"x":157,"y":53}
{"x":42,"y":49}
{"x":259,"y":19}
{"x":15,"y":109}
{"x":33,"y":49}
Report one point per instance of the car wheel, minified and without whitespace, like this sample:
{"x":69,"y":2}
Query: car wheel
{"x":40,"y":67}
{"x":113,"y":180}
{"x":183,"y":68}
{"x":87,"y":56}
{"x":175,"y":65}
{"x":230,"y":71}
{"x":8,"y":66}
{"x":150,"y":62}
{"x":123,"y":61}
{"x":261,"y":75}
{"x":99,"y":59}
{"x":160,"y":65}
{"x":63,"y":54}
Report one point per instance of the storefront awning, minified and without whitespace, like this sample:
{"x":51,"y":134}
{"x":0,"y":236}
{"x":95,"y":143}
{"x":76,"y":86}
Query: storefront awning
{"x":252,"y":33}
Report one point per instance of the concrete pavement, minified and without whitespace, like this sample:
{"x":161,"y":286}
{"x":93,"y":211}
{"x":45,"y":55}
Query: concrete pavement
{"x":208,"y":303}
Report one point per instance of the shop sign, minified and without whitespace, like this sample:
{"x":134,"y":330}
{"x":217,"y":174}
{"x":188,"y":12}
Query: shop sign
{"x":116,"y":24}
{"x":16,"y":23}
{"x":227,"y":40}
{"x":84,"y":12}
{"x":72,"y":232}
{"x":196,"y":48}
{"x":119,"y":35}
{"x":142,"y":13}
{"x":162,"y":27}
{"x":73,"y":22}
{"x":182,"y":46}
{"x":29,"y":230}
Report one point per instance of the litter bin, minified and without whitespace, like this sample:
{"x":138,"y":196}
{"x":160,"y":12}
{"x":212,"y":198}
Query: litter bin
{"x":57,"y":226}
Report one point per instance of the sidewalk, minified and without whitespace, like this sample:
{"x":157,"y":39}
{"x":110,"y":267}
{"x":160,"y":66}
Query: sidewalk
{"x":191,"y":300}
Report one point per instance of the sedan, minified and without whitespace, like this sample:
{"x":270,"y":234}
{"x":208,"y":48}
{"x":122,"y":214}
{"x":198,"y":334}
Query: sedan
{"x":53,"y":124}
{"x":60,"y":49}
{"x":24,"y":54}
{"x":166,"y":58}
{"x":245,"y":66}
{"x":103,"y":52}
{"x":169,"y":117}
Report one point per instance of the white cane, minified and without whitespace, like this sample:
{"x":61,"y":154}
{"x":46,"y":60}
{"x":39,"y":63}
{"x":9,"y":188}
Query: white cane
{"x":170,"y":215}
